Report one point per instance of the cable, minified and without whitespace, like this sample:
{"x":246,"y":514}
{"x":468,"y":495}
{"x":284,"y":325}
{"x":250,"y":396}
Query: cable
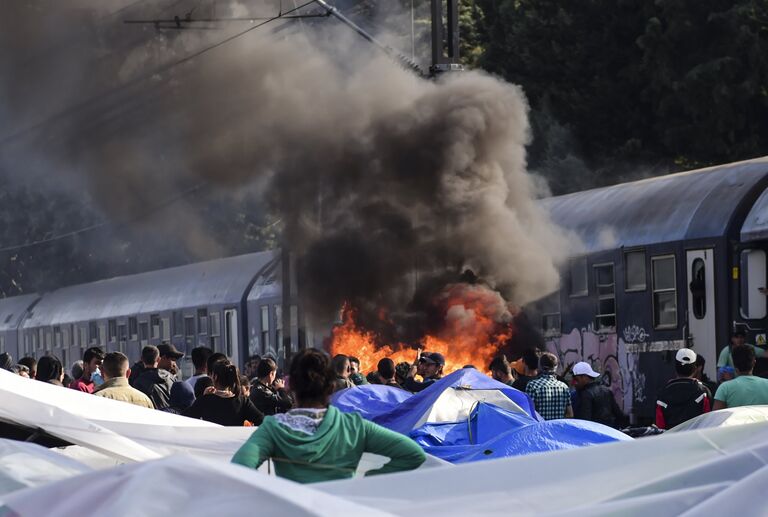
{"x":143,"y":77}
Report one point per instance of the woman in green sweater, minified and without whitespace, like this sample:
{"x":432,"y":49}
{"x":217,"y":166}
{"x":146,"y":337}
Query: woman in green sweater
{"x":315,"y":442}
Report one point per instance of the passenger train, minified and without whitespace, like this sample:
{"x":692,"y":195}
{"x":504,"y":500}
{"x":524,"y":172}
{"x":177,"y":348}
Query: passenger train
{"x":234,"y":305}
{"x":666,"y":262}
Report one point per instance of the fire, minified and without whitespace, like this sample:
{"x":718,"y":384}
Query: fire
{"x":476,"y":323}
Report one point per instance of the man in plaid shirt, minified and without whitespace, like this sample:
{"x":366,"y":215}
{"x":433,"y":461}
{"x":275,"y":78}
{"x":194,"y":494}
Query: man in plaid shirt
{"x":551,"y":397}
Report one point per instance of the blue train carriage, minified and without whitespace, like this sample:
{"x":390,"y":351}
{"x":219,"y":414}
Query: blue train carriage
{"x":667,"y":262}
{"x":232,"y":305}
{"x":12,"y":312}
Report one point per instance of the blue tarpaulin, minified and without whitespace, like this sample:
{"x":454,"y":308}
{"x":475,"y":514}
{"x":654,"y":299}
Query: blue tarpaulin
{"x":467,"y":416}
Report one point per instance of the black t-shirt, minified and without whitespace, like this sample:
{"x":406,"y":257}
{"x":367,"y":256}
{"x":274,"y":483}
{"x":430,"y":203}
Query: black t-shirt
{"x":522,"y":382}
{"x":232,"y":411}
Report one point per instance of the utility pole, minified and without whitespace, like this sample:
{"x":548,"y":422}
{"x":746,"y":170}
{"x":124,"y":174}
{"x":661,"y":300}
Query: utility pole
{"x":445,"y":37}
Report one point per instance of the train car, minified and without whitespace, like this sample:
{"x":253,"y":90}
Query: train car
{"x":233,"y":305}
{"x":12,"y":312}
{"x":664,"y":263}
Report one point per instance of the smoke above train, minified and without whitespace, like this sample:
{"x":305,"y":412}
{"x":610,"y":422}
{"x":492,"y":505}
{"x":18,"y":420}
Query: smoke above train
{"x":382,"y":181}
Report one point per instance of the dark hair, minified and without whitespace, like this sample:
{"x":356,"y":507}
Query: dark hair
{"x":339,"y":363}
{"x":353,"y":359}
{"x":92,"y":353}
{"x":201,"y":384}
{"x":182,"y":395}
{"x":500,"y":364}
{"x":49,"y":369}
{"x":743,"y":358}
{"x":761,"y":367}
{"x":386,"y":368}
{"x":700,"y":361}
{"x":244,"y":380}
{"x":548,"y":362}
{"x":739,"y":333}
{"x":200,"y":355}
{"x":375,"y":377}
{"x":265,"y":367}
{"x":115,"y":365}
{"x":29,"y":362}
{"x":6,"y":361}
{"x":685,"y":370}
{"x":530,"y":358}
{"x":312,"y":378}
{"x":226,"y":375}
{"x":150,"y":354}
{"x":214,"y":358}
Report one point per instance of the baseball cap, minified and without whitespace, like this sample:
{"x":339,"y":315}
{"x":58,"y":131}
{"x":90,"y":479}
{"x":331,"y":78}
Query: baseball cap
{"x":685,"y":356}
{"x":434,"y":358}
{"x":168,"y":350}
{"x":583,"y":368}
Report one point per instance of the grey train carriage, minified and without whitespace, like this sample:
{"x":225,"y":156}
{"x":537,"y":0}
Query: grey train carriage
{"x":667,"y":262}
{"x":233,"y":305}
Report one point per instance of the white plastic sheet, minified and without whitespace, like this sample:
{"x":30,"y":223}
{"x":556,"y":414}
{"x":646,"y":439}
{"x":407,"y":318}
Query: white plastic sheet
{"x":178,"y":485}
{"x":662,"y":475}
{"x":24,"y":465}
{"x":725,"y":417}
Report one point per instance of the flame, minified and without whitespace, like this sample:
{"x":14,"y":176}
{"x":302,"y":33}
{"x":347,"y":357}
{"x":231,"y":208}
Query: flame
{"x":476,"y":323}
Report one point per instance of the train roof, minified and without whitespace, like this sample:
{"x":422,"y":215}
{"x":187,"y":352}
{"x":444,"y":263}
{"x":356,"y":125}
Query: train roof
{"x":221,"y":281}
{"x":13,"y":309}
{"x":688,"y":205}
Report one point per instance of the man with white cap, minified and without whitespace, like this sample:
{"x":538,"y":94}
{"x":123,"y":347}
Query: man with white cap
{"x":595,"y":402}
{"x":684,"y":397}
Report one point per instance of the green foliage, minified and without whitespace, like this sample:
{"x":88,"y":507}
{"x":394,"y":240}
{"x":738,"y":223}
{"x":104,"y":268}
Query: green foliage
{"x":633,"y":84}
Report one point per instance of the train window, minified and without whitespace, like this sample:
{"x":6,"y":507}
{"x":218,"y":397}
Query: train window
{"x":202,"y":321}
{"x":265,"y":327}
{"x":751,"y":281}
{"x":605,"y":320}
{"x":93,"y":332}
{"x":278,"y":325}
{"x":154,"y":323}
{"x":39,"y":338}
{"x":578,"y":270}
{"x":65,"y":337}
{"x":143,"y":331}
{"x":634,"y":271}
{"x":178,"y":323}
{"x":2,"y":343}
{"x":165,"y":328}
{"x":294,"y":316}
{"x":215,"y":321}
{"x":82,"y":337}
{"x":189,"y":328}
{"x":550,"y":315}
{"x":57,"y":337}
{"x":698,"y":287}
{"x":122,"y":334}
{"x":111,"y":331}
{"x":133,"y":329}
{"x":664,"y":292}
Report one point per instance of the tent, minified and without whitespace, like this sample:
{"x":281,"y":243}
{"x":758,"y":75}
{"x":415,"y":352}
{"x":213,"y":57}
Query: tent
{"x":177,"y":485}
{"x":24,"y":465}
{"x":725,"y":417}
{"x":467,"y":416}
{"x":696,"y":473}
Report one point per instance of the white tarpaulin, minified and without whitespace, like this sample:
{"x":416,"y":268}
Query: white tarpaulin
{"x":24,"y":465}
{"x":725,"y":417}
{"x":178,"y":485}
{"x":662,"y":475}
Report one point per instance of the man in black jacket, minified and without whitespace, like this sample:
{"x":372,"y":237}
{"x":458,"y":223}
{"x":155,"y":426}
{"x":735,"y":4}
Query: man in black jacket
{"x":155,"y":382}
{"x":684,"y":397}
{"x":267,"y":391}
{"x":595,"y":401}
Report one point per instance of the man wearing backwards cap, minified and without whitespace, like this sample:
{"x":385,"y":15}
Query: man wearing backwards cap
{"x":684,"y":397}
{"x":430,"y":367}
{"x":595,"y":401}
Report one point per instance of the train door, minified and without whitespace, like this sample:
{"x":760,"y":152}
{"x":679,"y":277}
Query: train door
{"x":701,"y":305}
{"x":231,"y":341}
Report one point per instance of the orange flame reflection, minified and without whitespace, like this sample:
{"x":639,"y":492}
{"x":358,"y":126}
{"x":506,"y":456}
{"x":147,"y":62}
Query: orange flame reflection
{"x":477,"y":322}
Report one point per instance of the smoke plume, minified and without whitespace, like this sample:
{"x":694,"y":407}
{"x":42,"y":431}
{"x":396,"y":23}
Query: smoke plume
{"x":382,"y":180}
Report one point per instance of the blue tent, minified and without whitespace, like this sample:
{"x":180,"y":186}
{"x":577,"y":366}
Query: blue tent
{"x":467,"y":416}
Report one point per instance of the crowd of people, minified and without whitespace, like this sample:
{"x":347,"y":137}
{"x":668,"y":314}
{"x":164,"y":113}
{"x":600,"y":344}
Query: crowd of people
{"x":309,"y":440}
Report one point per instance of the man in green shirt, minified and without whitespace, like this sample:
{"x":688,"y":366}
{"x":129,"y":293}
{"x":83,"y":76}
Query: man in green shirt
{"x":737,"y":338}
{"x":746,"y":389}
